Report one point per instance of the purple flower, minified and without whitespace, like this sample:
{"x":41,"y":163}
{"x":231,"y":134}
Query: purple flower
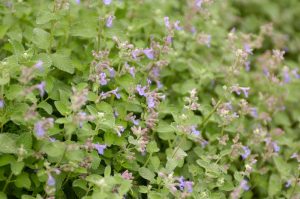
{"x":149,"y":52}
{"x":204,"y":143}
{"x":112,"y":72}
{"x":276,"y":148}
{"x":208,"y":41}
{"x":176,"y":25}
{"x":244,"y":185}
{"x":120,"y":130}
{"x":198,"y":3}
{"x":286,"y":76}
{"x":132,"y":71}
{"x":2,"y":103}
{"x":100,"y":148}
{"x":253,"y":112}
{"x":167,"y":22}
{"x":150,"y":102}
{"x":247,"y":65}
{"x":39,"y":65}
{"x":135,"y":53}
{"x":107,"y":2}
{"x":246,"y":153}
{"x":159,"y":84}
{"x":248,"y":49}
{"x":52,"y":139}
{"x":77,"y":1}
{"x":195,"y":131}
{"x":39,"y":129}
{"x":41,"y":88}
{"x":188,"y":185}
{"x":103,"y":80}
{"x":116,"y":114}
{"x":51,"y":180}
{"x":288,"y":184}
{"x":295,"y":73}
{"x":245,"y":90}
{"x":266,"y":72}
{"x":109,"y":21}
{"x":155,"y":71}
{"x":169,"y":39}
{"x":115,"y":92}
{"x":294,"y":155}
{"x":134,"y":121}
{"x":141,"y":90}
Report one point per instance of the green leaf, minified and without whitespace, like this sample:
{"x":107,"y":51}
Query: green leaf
{"x":62,"y":107}
{"x":6,"y":159}
{"x":281,"y":165}
{"x":23,"y":180}
{"x":107,"y":171}
{"x":152,"y":147}
{"x":47,"y":107}
{"x":62,"y":62}
{"x":274,"y":185}
{"x":7,"y":143}
{"x":3,"y":195}
{"x":41,"y":38}
{"x":17,"y":167}
{"x":25,"y":139}
{"x":54,"y":149}
{"x":146,"y":174}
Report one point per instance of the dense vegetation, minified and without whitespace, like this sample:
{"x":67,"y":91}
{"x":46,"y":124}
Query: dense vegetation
{"x":149,"y":99}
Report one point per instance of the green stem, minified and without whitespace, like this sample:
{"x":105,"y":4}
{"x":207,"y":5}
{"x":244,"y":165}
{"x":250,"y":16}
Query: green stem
{"x":203,"y":123}
{"x":7,"y":182}
{"x":147,"y":160}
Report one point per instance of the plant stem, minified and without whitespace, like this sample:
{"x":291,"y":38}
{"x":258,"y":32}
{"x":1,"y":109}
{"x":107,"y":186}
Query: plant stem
{"x":7,"y":182}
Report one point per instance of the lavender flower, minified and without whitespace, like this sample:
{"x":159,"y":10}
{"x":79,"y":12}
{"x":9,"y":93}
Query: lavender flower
{"x":244,"y":185}
{"x":245,"y":90}
{"x":176,"y":25}
{"x":115,"y":92}
{"x":167,"y":22}
{"x":134,"y":121}
{"x":246,"y":153}
{"x":51,"y":180}
{"x":141,"y":90}
{"x":295,"y":73}
{"x":150,"y":102}
{"x":41,"y":88}
{"x":204,"y":143}
{"x":132,"y":71}
{"x":103,"y":80}
{"x":107,"y":2}
{"x":288,"y":183}
{"x":112,"y":72}
{"x":2,"y":103}
{"x":195,"y":131}
{"x":39,"y":129}
{"x":39,"y":65}
{"x":169,"y":39}
{"x":247,"y":66}
{"x":149,"y":52}
{"x":77,"y":1}
{"x":248,"y":49}
{"x":100,"y":148}
{"x":198,"y":3}
{"x":109,"y":21}
{"x":275,"y":146}
{"x":120,"y":130}
{"x":188,"y":185}
{"x":286,"y":75}
{"x":135,"y":53}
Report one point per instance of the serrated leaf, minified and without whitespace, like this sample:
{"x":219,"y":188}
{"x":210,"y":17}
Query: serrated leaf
{"x":274,"y":185}
{"x":23,"y":180}
{"x":47,"y":107}
{"x":146,"y":174}
{"x":62,"y":107}
{"x":62,"y":62}
{"x":41,"y":38}
{"x":17,"y":167}
{"x":7,"y":143}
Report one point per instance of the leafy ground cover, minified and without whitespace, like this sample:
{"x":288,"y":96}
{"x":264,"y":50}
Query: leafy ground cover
{"x":149,"y":99}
